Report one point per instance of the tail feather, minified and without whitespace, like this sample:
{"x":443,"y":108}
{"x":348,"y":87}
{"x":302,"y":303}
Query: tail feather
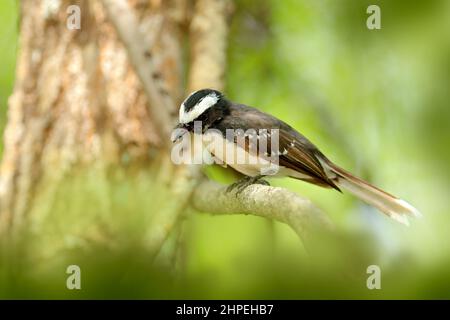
{"x":390,"y":205}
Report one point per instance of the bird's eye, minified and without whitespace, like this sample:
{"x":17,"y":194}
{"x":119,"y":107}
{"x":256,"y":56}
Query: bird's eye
{"x":189,"y":126}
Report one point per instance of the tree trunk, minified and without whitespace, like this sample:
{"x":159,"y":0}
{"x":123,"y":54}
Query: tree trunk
{"x":85,"y":157}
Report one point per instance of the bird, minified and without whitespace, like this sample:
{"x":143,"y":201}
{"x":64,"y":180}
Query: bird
{"x":296,"y":157}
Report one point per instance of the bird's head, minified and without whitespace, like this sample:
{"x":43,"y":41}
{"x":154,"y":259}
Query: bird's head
{"x":205,"y":106}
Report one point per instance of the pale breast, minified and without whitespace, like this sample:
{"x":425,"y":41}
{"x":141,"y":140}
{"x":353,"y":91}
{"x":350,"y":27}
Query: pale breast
{"x":237,"y":157}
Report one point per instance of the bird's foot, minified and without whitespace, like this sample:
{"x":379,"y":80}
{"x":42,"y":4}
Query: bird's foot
{"x":242,"y":184}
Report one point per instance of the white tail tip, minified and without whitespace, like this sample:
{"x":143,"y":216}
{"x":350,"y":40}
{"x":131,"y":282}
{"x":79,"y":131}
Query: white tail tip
{"x":409,"y":209}
{"x":403,"y":219}
{"x":402,"y":211}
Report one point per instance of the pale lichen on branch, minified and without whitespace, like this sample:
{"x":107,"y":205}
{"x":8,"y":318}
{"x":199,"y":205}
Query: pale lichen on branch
{"x":264,"y":201}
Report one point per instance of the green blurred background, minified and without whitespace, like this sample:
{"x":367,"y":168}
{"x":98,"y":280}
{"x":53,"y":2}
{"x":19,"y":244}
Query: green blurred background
{"x":375,"y":101}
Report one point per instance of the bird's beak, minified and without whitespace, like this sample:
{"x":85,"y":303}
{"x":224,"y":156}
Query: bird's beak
{"x":178,"y":132}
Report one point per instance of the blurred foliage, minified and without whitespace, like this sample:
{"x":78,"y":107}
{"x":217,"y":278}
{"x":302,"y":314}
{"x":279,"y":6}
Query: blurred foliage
{"x":8,"y":51}
{"x":374,"y":101}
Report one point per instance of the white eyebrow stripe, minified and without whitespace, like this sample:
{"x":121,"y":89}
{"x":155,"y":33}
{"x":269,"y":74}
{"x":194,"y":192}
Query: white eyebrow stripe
{"x":203,"y":105}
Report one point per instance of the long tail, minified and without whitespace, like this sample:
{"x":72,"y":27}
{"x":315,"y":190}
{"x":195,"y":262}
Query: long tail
{"x":392,"y":206}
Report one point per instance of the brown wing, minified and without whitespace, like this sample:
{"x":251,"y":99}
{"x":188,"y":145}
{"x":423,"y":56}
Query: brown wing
{"x":301,"y":156}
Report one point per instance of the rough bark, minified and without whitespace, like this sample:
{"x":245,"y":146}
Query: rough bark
{"x":88,"y":117}
{"x":86,"y":159}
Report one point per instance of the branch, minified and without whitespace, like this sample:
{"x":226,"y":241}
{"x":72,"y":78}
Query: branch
{"x":208,"y":41}
{"x":126,"y":24}
{"x":269,"y":202}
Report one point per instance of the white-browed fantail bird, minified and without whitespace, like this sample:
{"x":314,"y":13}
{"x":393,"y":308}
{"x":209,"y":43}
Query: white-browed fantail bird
{"x":299,"y":159}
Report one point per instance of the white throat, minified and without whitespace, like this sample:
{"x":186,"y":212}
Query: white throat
{"x":203,"y":105}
